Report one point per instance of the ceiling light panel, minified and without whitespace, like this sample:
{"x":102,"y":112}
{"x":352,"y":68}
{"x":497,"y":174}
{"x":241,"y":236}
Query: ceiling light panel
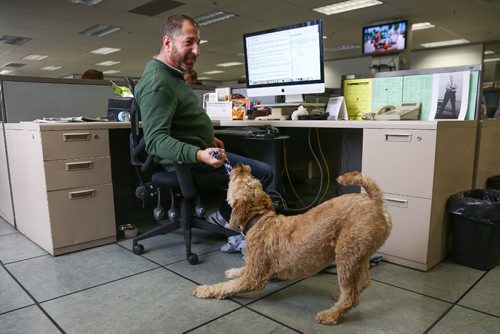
{"x":50,"y":68}
{"x":35,"y":57}
{"x":233,"y":63}
{"x":3,"y":72}
{"x":492,"y":59}
{"x":422,"y":26}
{"x":104,"y":51}
{"x":444,"y":43}
{"x":212,"y":17}
{"x":346,"y":6}
{"x":213,"y":72}
{"x":86,"y":2}
{"x":108,"y":63}
{"x":99,"y":30}
{"x":111,"y":71}
{"x":342,"y":47}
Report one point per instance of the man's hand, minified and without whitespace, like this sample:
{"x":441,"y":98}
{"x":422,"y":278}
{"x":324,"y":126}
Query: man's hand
{"x":218,"y":143}
{"x":207,"y":157}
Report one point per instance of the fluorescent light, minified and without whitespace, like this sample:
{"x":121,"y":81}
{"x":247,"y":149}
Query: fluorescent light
{"x":346,"y":6}
{"x":204,"y":78}
{"x":2,"y":72}
{"x":342,"y":47}
{"x":104,"y":51}
{"x":422,"y":25}
{"x":35,"y":57}
{"x":213,"y":72}
{"x":492,"y":59}
{"x":444,"y":43}
{"x":108,"y":63}
{"x":489,"y":52}
{"x":50,"y":68}
{"x":233,"y":63}
{"x":111,"y":71}
{"x":203,"y":41}
{"x":212,"y":17}
{"x":87,"y":2}
{"x":99,"y":30}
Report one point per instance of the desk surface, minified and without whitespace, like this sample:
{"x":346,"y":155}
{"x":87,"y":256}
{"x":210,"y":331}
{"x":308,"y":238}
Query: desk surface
{"x":424,"y":125}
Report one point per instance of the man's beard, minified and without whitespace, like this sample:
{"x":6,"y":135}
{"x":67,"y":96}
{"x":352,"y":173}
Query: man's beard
{"x":180,"y":60}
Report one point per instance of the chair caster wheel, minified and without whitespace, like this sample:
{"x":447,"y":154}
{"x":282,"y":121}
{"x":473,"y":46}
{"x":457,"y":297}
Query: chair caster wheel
{"x":138,"y":249}
{"x":192,"y":259}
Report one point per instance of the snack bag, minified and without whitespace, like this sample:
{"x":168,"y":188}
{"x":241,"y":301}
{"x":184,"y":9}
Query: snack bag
{"x":240,"y":106}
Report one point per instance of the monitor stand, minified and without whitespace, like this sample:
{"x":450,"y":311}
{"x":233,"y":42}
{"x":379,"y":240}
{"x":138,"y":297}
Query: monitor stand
{"x":294,"y":98}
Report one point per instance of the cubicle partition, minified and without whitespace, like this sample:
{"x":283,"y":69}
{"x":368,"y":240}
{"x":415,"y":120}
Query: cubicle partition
{"x":365,"y":93}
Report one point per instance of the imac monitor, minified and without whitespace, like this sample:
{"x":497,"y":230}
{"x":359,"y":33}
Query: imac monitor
{"x":385,"y":38}
{"x":285,"y":61}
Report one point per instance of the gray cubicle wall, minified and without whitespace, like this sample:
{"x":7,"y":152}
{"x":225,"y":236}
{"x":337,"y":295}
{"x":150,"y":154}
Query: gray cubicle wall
{"x":26,"y":99}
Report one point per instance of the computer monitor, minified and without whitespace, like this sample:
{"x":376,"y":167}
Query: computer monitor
{"x":285,"y":61}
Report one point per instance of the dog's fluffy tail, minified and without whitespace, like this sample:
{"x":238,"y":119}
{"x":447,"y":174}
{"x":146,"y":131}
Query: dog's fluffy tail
{"x":356,"y":178}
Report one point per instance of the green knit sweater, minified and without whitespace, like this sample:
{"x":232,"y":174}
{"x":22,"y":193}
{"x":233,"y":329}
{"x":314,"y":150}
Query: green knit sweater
{"x":169,"y":108}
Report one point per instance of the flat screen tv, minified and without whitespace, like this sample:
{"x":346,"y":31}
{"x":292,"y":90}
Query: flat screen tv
{"x":385,"y":38}
{"x":285,"y":61}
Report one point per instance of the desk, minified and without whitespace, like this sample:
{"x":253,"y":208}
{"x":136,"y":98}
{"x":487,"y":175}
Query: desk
{"x":418,"y":165}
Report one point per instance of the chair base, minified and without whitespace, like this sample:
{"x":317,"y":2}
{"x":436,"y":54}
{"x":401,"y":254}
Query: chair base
{"x":171,"y":225}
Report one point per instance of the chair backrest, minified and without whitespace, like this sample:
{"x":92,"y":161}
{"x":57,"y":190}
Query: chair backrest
{"x":138,"y":155}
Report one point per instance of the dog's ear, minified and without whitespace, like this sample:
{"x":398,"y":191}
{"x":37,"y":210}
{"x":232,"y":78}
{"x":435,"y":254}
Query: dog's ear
{"x":239,"y":215}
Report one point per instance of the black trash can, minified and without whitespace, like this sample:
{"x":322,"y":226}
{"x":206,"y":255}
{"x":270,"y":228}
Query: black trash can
{"x":476,"y":228}
{"x":493,"y":182}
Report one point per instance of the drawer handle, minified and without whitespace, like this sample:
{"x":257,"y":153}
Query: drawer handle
{"x":398,"y":137}
{"x":84,"y":136}
{"x":81,"y":194}
{"x":397,"y":202}
{"x":72,"y":166}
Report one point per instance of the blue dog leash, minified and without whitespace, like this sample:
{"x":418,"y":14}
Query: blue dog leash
{"x":227,"y":165}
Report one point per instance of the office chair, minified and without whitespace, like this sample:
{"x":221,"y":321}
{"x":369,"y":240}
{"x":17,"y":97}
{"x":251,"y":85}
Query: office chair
{"x":185,"y":211}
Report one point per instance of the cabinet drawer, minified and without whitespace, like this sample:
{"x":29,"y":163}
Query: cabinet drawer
{"x":401,"y":161}
{"x":409,"y":237}
{"x":81,"y":214}
{"x":75,"y":144}
{"x":64,"y":174}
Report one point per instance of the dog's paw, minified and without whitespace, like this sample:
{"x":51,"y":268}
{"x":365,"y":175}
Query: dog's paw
{"x":202,"y":291}
{"x":326,"y":318}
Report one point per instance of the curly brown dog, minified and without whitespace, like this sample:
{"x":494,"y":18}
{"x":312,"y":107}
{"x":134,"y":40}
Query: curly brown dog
{"x":347,"y":229}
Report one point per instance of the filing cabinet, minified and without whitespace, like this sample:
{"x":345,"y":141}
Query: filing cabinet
{"x":418,"y":168}
{"x":6,"y":211}
{"x":61,"y":182}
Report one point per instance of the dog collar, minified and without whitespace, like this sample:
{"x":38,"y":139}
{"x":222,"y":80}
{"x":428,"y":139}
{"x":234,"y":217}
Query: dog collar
{"x":251,"y":223}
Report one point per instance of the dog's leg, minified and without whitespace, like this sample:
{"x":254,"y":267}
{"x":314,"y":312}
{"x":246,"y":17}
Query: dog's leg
{"x":364,"y":280}
{"x":349,"y":296}
{"x":235,"y":272}
{"x":227,"y":289}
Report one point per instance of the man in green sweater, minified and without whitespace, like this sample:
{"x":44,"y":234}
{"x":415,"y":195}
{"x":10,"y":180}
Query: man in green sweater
{"x":169,"y":107}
